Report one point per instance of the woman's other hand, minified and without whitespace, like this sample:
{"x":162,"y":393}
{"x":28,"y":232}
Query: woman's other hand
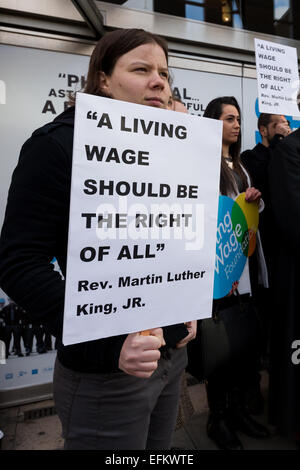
{"x":252,"y":195}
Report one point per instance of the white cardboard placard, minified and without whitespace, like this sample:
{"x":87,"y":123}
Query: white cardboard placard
{"x":143,"y":216}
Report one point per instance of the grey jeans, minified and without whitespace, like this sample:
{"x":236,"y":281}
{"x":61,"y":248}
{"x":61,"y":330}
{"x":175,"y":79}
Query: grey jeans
{"x":118,"y":411}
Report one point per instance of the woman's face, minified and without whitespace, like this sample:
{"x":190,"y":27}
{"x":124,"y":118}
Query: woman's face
{"x":140,"y":76}
{"x":231,"y":124}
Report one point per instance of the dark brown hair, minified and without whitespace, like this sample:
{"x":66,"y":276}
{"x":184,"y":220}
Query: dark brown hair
{"x":264,"y":119}
{"x":213,"y":110}
{"x":110,"y":48}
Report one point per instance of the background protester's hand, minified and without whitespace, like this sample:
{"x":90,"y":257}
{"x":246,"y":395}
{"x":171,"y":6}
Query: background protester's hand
{"x":252,"y":195}
{"x":192,"y":329}
{"x":140,"y":354}
{"x":283,"y":128}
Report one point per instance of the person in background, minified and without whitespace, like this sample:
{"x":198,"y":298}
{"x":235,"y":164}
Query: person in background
{"x":272,"y":128}
{"x":119,"y":392}
{"x":175,"y":104}
{"x":34,"y":330}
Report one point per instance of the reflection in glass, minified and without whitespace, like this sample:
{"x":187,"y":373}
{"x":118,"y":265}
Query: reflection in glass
{"x":194,"y":12}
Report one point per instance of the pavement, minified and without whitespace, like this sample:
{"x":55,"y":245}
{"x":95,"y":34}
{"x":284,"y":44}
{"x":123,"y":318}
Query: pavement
{"x":35,"y":426}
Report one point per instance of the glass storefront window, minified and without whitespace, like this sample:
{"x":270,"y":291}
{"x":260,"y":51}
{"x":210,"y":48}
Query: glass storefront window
{"x":195,"y":12}
{"x":137,"y":4}
{"x":237,"y":20}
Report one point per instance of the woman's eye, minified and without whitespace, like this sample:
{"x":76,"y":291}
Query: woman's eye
{"x":164,"y":75}
{"x":232,"y":119}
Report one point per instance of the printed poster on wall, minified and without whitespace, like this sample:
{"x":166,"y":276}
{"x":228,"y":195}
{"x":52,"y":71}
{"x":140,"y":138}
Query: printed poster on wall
{"x":40,"y":81}
{"x":277,"y":78}
{"x":143,"y":216}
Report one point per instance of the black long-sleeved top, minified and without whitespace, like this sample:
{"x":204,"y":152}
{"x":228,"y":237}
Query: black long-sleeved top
{"x":35,"y":230}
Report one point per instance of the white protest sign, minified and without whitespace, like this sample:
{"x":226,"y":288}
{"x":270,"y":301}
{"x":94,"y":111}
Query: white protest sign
{"x":143,"y":217}
{"x":277,"y":78}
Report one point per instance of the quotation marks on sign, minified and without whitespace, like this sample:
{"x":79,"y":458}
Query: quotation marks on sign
{"x":90,"y":253}
{"x":73,"y":79}
{"x":92,"y":115}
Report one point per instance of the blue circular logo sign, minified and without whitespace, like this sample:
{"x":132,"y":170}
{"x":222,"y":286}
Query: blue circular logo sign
{"x":231,"y":249}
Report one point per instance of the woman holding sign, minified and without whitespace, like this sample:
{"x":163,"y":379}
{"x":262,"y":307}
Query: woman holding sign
{"x":119,"y":392}
{"x":226,"y":387}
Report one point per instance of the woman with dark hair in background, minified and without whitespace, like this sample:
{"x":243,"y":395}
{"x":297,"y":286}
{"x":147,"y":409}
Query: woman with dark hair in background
{"x":114,"y":393}
{"x":226,"y":387}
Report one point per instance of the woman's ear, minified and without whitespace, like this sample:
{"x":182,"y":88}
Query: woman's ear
{"x":104,"y":83}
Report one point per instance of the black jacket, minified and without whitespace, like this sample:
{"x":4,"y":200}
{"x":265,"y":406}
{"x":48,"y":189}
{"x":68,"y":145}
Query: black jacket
{"x":256,"y":161}
{"x":35,"y":230}
{"x":284,"y":185}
